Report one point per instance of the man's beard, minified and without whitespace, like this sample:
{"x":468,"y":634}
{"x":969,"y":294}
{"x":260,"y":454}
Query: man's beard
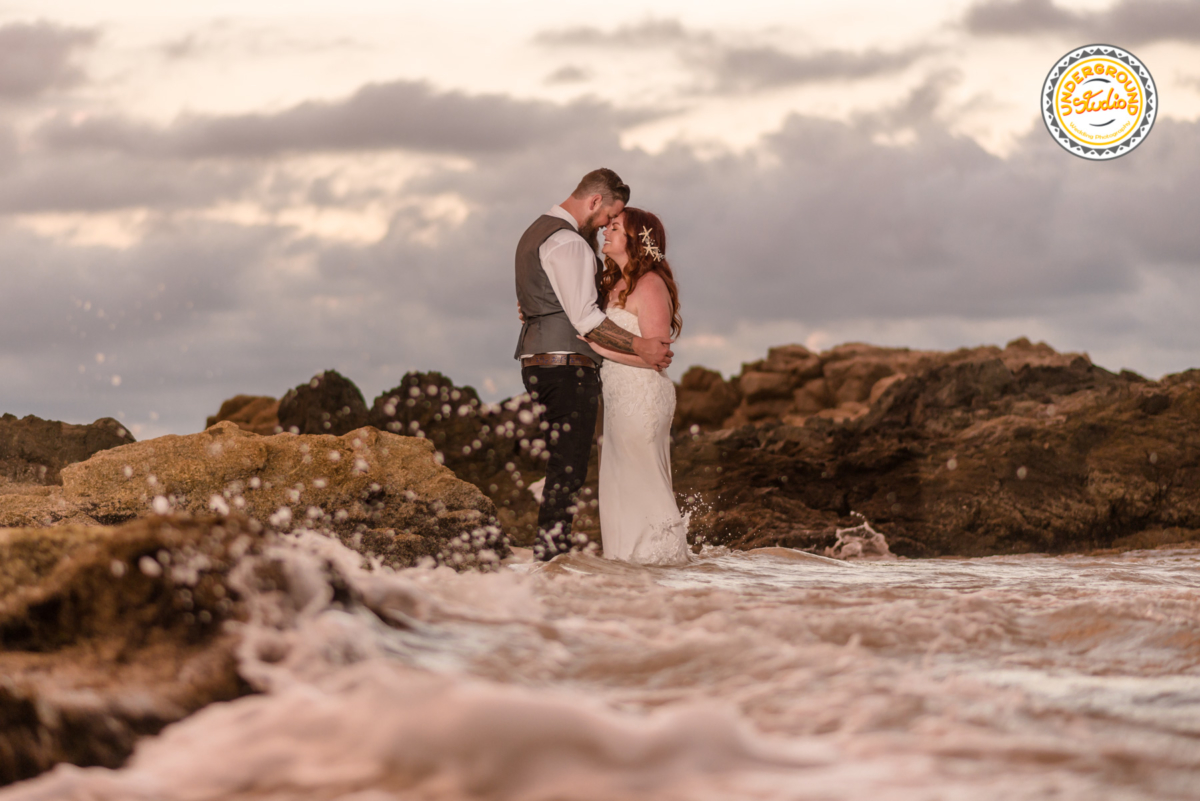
{"x":588,"y":230}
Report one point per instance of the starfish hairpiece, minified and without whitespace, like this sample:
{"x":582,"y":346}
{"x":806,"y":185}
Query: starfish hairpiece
{"x":648,"y":246}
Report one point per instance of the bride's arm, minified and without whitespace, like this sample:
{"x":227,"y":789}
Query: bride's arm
{"x":654,"y":307}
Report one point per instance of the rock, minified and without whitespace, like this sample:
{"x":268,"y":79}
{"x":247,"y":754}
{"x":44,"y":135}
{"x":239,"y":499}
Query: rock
{"x":704,"y":399}
{"x":812,"y":397}
{"x":882,"y":385}
{"x":1022,"y":353}
{"x":330,"y":403}
{"x":1186,"y":377}
{"x":382,"y":494}
{"x":35,"y":450}
{"x":32,"y":505}
{"x":256,"y":413}
{"x":109,"y":634}
{"x":821,"y":384}
{"x":963,"y":456}
{"x":795,"y":360}
{"x":760,"y":386}
{"x":850,"y":410}
{"x":971,"y":452}
{"x":853,"y":379}
{"x":496,"y":447}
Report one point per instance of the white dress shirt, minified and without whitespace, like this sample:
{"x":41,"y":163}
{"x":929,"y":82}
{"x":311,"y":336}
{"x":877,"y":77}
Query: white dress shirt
{"x":570,"y":264}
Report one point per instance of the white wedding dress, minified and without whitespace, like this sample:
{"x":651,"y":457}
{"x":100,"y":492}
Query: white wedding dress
{"x":639,"y":519}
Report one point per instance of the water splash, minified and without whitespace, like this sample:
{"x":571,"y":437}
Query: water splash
{"x":766,"y":675}
{"x":860,"y":542}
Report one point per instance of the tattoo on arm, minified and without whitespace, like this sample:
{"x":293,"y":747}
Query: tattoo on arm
{"x":612,"y":336}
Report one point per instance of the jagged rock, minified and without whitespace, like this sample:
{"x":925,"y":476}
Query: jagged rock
{"x":330,"y":403}
{"x":932,"y":453}
{"x":704,"y":399}
{"x":761,"y":386}
{"x":1186,"y":377}
{"x":35,"y":450}
{"x":382,"y":494}
{"x":973,"y":453}
{"x":795,"y":360}
{"x":256,"y":413}
{"x":854,"y":378}
{"x":793,"y":383}
{"x":881,"y":386}
{"x":109,"y":634}
{"x":33,"y":505}
{"x":493,"y":446}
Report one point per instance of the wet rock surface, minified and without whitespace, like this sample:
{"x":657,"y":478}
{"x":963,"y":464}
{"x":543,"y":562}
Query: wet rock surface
{"x":977,"y":451}
{"x":966,"y":458}
{"x":110,"y":634}
{"x":972,"y":452}
{"x":258,"y":414}
{"x":381,"y":494}
{"x":330,"y":403}
{"x":794,"y":383}
{"x":497,"y":447}
{"x":33,"y":450}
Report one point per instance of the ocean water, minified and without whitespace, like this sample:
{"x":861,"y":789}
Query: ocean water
{"x":764,"y":675}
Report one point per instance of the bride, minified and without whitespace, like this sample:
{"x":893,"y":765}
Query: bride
{"x":639,"y":519}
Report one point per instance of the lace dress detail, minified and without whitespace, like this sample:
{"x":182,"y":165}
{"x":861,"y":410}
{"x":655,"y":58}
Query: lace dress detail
{"x":639,"y":519}
{"x":635,"y":391}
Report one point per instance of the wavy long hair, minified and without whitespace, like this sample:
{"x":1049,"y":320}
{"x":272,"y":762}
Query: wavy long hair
{"x":640,"y":263}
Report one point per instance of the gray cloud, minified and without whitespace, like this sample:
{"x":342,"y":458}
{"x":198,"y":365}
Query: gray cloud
{"x":819,"y":227}
{"x":82,"y":182}
{"x":725,"y":68}
{"x":646,"y":34}
{"x":183,"y":47}
{"x":400,"y":115}
{"x":1127,"y":21}
{"x":37,"y":57}
{"x":735,"y":69}
{"x":568,"y":74}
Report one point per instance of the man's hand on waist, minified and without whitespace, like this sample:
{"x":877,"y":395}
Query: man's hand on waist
{"x":654,"y":351}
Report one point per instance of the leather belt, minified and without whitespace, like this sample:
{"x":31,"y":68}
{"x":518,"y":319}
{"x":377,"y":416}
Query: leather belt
{"x":557,"y":360}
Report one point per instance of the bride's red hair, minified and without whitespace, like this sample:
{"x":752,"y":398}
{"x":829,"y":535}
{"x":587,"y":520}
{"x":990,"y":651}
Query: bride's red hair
{"x":641,"y":261}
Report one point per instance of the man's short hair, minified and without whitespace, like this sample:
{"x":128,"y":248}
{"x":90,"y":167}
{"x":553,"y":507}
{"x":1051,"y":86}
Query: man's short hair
{"x":603,"y":182}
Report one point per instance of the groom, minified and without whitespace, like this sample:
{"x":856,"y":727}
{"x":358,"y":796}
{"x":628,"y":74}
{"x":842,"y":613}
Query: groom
{"x":556,"y":292}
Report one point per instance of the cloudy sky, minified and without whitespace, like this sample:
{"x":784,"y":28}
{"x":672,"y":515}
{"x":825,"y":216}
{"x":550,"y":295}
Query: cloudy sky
{"x":202,"y":199}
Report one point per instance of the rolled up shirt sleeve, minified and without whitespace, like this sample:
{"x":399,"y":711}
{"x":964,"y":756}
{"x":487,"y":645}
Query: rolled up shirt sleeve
{"x":571,"y":267}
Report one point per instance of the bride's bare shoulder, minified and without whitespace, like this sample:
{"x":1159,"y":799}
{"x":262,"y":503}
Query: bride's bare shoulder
{"x":652,"y":280}
{"x":650,"y":288}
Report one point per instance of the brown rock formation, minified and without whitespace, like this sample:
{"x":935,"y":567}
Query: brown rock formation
{"x":258,"y":414}
{"x":382,"y":494}
{"x":921,"y":442}
{"x":704,"y":399}
{"x":493,"y":446}
{"x":330,"y":403}
{"x":970,"y":454}
{"x":928,"y":445}
{"x":110,"y":634}
{"x":34,"y":450}
{"x":793,"y":383}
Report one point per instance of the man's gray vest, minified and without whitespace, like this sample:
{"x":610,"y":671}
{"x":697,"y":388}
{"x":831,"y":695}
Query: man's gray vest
{"x":547,"y":328}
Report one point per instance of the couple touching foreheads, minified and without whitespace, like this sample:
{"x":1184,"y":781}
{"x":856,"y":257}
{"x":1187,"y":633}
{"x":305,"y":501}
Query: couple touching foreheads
{"x":595,"y":328}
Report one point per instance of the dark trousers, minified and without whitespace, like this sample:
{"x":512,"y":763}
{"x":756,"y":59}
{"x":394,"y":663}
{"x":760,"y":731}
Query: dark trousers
{"x":571,"y":396}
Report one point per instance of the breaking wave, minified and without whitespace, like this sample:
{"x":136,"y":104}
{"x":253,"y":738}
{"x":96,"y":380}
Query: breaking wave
{"x":765,"y":675}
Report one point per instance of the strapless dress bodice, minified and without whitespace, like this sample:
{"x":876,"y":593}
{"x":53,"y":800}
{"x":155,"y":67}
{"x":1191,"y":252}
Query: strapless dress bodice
{"x":624,"y":318}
